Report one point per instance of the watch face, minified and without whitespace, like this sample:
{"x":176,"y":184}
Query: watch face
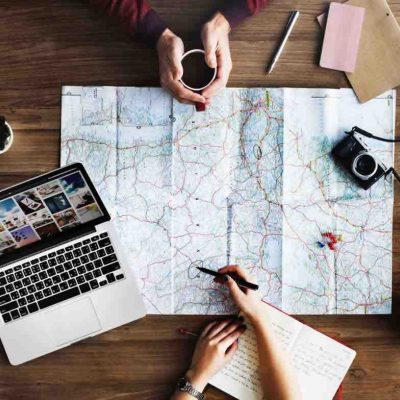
{"x":182,"y":383}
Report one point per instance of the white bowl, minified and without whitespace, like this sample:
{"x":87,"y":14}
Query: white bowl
{"x":10,"y":139}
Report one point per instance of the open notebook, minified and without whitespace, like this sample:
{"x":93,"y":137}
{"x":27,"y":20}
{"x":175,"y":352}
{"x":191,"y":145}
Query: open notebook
{"x":320,"y":362}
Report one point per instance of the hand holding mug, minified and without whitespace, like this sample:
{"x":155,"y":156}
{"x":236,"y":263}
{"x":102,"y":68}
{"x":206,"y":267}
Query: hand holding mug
{"x":170,"y":50}
{"x":197,"y":75}
{"x":215,"y":37}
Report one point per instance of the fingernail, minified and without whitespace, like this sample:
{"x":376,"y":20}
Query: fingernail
{"x":219,"y":280}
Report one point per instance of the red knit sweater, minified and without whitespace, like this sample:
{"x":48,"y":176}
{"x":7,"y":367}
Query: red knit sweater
{"x":141,"y":21}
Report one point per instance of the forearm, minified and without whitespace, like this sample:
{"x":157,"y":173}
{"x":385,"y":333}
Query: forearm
{"x":236,"y":11}
{"x":276,"y":372}
{"x":135,"y":16}
{"x":181,"y":396}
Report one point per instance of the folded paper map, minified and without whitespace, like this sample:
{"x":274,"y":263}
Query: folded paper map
{"x":250,"y":181}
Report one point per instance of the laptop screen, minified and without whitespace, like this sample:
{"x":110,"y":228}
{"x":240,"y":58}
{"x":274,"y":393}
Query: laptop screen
{"x":47,"y":208}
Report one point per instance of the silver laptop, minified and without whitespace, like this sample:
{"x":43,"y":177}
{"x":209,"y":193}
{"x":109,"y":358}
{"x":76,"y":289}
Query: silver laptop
{"x":63,"y":276}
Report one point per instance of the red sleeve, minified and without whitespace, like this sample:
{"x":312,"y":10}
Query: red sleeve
{"x":136,"y":17}
{"x":237,"y":10}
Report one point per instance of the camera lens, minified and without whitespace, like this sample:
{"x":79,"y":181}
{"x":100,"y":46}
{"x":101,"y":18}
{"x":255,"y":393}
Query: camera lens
{"x":364,"y":165}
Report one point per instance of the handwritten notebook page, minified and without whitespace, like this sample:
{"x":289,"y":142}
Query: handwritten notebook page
{"x":240,"y":377}
{"x":320,"y":362}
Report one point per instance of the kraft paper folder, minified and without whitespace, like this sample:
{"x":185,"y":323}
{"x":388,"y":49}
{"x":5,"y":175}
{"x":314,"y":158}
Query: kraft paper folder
{"x":378,"y":63}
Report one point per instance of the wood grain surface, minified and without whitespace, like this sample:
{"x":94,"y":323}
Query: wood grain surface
{"x":45,"y":44}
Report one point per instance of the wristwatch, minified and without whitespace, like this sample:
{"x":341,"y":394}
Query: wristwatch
{"x":185,"y":386}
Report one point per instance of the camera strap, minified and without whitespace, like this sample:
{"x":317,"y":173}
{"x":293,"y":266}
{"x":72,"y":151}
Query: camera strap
{"x":356,"y":129}
{"x":391,"y":170}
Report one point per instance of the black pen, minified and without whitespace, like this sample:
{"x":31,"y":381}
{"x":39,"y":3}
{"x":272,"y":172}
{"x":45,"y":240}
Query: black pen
{"x":239,"y":281}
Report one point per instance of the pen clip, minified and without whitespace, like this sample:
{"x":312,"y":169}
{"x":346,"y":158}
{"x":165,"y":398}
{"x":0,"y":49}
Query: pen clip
{"x":291,"y":17}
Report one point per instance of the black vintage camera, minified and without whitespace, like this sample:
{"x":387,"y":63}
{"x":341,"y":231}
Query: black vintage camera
{"x":354,"y":155}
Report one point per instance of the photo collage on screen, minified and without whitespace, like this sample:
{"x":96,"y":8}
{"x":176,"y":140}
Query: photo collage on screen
{"x":46,"y":210}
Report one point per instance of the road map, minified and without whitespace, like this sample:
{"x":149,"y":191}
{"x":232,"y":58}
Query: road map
{"x":251,"y":182}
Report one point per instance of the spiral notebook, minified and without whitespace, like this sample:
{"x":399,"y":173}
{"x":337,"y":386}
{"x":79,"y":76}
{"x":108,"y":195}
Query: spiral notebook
{"x":320,"y":362}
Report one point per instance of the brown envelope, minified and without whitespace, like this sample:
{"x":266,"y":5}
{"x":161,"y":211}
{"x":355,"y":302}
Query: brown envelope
{"x":378,"y":63}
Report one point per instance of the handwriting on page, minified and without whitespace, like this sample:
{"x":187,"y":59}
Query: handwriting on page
{"x":319,"y":360}
{"x":244,"y":366}
{"x":284,"y":335}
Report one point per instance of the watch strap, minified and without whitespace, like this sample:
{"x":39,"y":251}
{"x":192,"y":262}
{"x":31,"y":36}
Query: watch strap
{"x":189,"y":389}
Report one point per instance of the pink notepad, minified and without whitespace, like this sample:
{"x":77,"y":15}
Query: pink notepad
{"x":342,"y":37}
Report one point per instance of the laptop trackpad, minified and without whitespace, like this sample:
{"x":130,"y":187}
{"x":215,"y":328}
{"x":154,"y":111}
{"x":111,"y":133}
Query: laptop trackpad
{"x":73,"y":321}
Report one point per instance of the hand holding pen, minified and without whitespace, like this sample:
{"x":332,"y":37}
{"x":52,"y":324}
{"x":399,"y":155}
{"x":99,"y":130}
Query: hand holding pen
{"x":223,"y":278}
{"x":248,"y":300}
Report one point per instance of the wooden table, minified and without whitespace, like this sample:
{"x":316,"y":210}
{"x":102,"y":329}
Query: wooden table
{"x":47,"y":43}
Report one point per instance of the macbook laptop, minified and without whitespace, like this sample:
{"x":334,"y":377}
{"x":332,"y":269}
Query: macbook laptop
{"x":63,"y":275}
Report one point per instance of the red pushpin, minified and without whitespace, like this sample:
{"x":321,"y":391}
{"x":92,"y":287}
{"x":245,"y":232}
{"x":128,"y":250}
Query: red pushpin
{"x":331,"y":240}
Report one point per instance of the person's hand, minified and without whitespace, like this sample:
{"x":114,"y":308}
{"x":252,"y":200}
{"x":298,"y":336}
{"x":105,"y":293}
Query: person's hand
{"x":170,"y":51}
{"x":215,"y":38}
{"x":215,"y":348}
{"x":249,"y":301}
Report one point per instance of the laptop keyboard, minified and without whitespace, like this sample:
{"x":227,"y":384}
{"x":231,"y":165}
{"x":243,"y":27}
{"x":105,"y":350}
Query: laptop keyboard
{"x":58,"y":276}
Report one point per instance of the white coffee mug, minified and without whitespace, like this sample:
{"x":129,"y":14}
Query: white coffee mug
{"x":209,"y":83}
{"x":9,"y":140}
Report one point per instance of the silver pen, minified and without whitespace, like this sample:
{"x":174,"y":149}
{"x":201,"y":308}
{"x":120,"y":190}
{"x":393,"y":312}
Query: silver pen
{"x":294,"y":15}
